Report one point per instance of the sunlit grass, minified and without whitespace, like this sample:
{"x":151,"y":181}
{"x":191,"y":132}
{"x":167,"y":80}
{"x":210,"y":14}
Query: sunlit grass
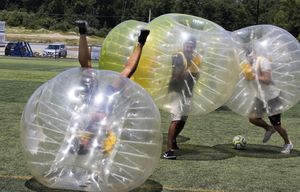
{"x":206,"y":160}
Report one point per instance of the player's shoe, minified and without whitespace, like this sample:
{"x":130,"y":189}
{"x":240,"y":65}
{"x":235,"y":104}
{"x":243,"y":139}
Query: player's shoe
{"x":169,"y":155}
{"x":268,"y":135}
{"x":287,"y":148}
{"x":82,"y":26}
{"x":143,"y":36}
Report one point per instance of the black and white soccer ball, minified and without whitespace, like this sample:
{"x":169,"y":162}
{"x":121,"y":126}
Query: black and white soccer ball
{"x":239,"y":142}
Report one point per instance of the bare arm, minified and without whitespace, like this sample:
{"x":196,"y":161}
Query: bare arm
{"x":133,"y":61}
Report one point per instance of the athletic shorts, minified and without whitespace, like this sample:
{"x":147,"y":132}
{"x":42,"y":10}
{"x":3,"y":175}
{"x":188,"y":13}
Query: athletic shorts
{"x":180,"y":106}
{"x":275,"y":119}
{"x":259,"y":108}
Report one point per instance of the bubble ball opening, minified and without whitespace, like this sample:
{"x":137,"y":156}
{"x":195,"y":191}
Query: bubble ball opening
{"x":282,"y":51}
{"x":91,"y":130}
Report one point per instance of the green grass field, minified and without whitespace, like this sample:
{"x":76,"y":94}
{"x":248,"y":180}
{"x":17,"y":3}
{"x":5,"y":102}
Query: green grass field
{"x":206,"y":161}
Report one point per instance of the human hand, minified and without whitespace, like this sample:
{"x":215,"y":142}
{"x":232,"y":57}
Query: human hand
{"x":247,"y":71}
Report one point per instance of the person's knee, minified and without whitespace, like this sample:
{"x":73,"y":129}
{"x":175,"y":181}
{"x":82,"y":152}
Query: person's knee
{"x":277,"y":127}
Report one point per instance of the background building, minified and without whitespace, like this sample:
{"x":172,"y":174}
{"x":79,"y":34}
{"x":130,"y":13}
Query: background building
{"x":2,"y":34}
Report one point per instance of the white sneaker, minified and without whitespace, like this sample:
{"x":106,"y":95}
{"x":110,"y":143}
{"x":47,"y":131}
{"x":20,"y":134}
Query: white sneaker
{"x":287,"y":148}
{"x":268,"y":135}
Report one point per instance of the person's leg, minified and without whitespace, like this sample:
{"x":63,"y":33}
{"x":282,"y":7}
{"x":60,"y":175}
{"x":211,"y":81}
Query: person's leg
{"x":171,"y":134}
{"x":84,"y":55}
{"x":259,"y":122}
{"x":283,"y":133}
{"x":256,"y":119}
{"x":276,"y":122}
{"x":174,"y":130}
{"x":132,"y":63}
{"x":178,"y":130}
{"x":176,"y":126}
{"x":169,"y":154}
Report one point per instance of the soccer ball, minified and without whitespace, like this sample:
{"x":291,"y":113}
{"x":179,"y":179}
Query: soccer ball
{"x":239,"y":142}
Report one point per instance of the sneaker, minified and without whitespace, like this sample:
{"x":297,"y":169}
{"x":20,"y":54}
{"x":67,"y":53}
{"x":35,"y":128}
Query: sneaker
{"x":143,"y":36}
{"x":287,"y":148}
{"x":169,"y":155}
{"x":268,"y":135}
{"x":82,"y":26}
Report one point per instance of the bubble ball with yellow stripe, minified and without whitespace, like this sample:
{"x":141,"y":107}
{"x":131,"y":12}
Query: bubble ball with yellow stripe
{"x":188,"y":64}
{"x":119,"y":44}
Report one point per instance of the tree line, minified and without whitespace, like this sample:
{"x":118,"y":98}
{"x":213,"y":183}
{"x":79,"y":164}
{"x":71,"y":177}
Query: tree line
{"x":103,"y":15}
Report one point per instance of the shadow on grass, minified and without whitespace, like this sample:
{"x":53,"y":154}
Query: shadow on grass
{"x":200,"y":153}
{"x":34,"y":185}
{"x":257,"y":151}
{"x":148,"y":186}
{"x":179,"y":139}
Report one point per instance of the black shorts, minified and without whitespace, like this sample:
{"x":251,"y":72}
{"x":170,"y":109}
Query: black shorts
{"x":275,"y":119}
{"x":272,"y":107}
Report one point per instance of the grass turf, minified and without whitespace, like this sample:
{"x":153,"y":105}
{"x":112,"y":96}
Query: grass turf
{"x":206,"y":161}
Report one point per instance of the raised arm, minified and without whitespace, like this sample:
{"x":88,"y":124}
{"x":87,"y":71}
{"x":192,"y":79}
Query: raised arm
{"x":133,"y":61}
{"x":84,"y":54}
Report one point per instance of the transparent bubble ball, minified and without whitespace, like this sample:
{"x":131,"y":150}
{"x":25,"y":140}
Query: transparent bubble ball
{"x":119,"y":44}
{"x":91,"y":130}
{"x":218,"y":72}
{"x":282,"y":50}
{"x":203,"y":80}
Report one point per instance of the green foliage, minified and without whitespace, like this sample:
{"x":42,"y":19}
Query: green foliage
{"x":103,"y":15}
{"x":61,"y":26}
{"x":46,"y":23}
{"x":15,"y":18}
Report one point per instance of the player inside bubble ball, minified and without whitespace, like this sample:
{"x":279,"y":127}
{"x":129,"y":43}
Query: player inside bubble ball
{"x":94,"y":109}
{"x":257,"y":69}
{"x":185,"y":73}
{"x":100,"y":116}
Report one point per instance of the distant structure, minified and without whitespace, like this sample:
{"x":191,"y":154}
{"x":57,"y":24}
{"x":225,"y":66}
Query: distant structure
{"x":95,"y":54}
{"x":2,"y":34}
